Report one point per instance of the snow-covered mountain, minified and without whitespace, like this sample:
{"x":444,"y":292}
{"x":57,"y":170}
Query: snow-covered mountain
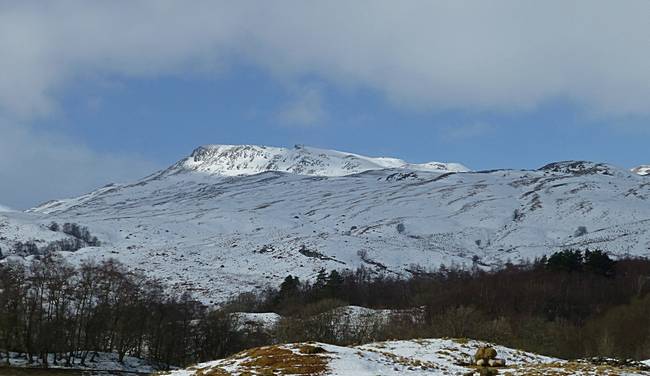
{"x":642,"y":170}
{"x":232,"y":160}
{"x":210,"y":225}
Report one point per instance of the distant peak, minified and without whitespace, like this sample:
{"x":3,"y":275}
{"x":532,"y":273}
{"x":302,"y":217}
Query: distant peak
{"x":579,"y":168}
{"x":230,"y":160}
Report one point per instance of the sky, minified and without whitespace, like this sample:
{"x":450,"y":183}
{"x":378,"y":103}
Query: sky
{"x":94,"y":92}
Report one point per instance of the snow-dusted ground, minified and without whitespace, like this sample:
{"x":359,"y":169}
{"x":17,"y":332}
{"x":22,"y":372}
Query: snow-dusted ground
{"x":249,"y":321}
{"x":200,"y":229}
{"x":413,"y":357}
{"x":102,"y":362}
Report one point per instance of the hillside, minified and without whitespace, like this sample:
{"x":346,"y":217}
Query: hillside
{"x":413,"y":357}
{"x":230,"y":219}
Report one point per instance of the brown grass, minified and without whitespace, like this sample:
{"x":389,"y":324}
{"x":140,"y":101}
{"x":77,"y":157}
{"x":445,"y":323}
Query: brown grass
{"x":569,"y":368}
{"x":276,"y":360}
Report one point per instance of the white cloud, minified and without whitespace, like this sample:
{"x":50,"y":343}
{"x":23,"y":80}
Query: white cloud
{"x":504,"y":55}
{"x":305,"y":109}
{"x":38,"y":166}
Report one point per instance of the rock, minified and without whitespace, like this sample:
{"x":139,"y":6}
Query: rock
{"x":497,"y":362}
{"x":481,"y":362}
{"x":486,"y":353}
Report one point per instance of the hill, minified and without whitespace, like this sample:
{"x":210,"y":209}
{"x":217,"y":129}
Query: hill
{"x":229,"y":219}
{"x":413,"y":357}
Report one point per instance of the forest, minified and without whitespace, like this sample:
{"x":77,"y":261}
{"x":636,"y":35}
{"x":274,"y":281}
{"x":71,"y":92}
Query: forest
{"x":573,"y":304}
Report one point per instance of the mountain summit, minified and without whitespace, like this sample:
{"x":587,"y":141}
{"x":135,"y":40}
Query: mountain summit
{"x":234,"y":160}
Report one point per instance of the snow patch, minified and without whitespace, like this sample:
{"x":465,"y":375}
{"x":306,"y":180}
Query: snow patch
{"x":642,"y":170}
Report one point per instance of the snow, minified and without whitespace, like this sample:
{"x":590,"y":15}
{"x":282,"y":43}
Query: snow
{"x":232,"y":160}
{"x":17,"y":226}
{"x":247,"y":321}
{"x":102,"y":362}
{"x":5,"y":208}
{"x":642,"y":170}
{"x":410,"y":357}
{"x":199,"y":229}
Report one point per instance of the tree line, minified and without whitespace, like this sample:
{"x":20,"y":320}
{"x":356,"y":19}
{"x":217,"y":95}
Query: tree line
{"x":51,"y":311}
{"x":572,"y":304}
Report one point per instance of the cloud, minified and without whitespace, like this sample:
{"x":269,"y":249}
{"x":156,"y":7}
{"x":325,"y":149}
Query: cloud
{"x":36,"y":166}
{"x":509,"y":55}
{"x":305,"y":109}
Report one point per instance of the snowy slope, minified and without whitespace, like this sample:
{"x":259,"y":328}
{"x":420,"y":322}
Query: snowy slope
{"x":198,"y":228}
{"x":642,"y":170}
{"x":22,"y":227}
{"x":412,"y":357}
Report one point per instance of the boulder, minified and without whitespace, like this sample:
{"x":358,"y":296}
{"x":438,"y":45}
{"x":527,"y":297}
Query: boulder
{"x":497,"y":362}
{"x":486,"y":353}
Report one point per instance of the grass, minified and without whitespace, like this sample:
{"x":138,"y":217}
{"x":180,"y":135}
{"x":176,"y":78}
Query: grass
{"x":303,"y":359}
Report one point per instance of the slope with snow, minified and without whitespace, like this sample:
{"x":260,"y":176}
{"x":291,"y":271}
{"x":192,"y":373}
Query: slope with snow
{"x":22,"y":227}
{"x":642,"y":170}
{"x":202,"y":226}
{"x":412,"y":357}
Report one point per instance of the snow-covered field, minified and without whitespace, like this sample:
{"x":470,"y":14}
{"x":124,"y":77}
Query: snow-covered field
{"x":412,"y":357}
{"x":232,"y":219}
{"x":250,"y":321}
{"x":101,"y":362}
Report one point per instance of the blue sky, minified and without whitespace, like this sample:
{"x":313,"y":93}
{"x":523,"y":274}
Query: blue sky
{"x":163,"y":119}
{"x":92,"y":101}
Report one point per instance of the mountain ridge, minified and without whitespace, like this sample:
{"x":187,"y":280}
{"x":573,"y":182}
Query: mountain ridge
{"x":217,"y":234}
{"x":233,"y":160}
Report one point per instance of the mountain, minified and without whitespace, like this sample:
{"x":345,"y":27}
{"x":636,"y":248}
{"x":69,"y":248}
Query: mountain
{"x":642,"y":170}
{"x":211,"y":225}
{"x":232,"y":160}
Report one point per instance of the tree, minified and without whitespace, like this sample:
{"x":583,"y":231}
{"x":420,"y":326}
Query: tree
{"x":565,"y":261}
{"x":598,"y":262}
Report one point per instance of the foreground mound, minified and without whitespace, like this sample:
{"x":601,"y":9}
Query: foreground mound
{"x":413,"y":357}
